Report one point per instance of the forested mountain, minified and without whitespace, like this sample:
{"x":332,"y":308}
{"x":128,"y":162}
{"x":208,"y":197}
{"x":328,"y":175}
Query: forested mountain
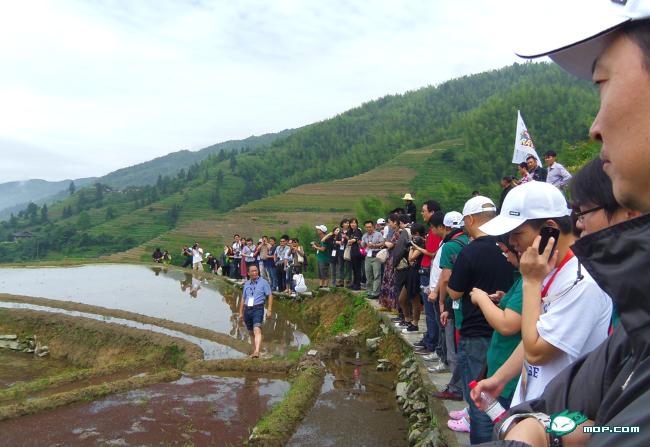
{"x":15,"y":196}
{"x":168,"y":165}
{"x":478,"y":110}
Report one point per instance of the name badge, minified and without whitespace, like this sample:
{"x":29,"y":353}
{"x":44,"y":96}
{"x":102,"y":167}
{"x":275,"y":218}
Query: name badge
{"x":455,"y":304}
{"x":250,"y":301}
{"x":334,"y":252}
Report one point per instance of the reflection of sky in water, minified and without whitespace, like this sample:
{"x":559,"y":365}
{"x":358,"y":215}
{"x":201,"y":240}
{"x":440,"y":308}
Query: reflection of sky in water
{"x":173,"y":295}
{"x":211,"y":350}
{"x":224,"y":390}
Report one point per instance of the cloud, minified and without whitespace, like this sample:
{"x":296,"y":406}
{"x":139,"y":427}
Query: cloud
{"x":113,"y":83}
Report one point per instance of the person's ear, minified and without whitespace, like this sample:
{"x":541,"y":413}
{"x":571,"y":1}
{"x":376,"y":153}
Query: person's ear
{"x":631,"y":214}
{"x":551,"y":223}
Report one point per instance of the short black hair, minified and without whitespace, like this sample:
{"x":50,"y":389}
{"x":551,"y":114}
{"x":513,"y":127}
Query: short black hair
{"x":346,"y":220}
{"x":418,"y":228}
{"x":591,"y":185}
{"x":565,"y":223}
{"x":432,"y":206}
{"x":368,"y":222}
{"x":550,"y":154}
{"x":507,"y":178}
{"x":272,"y":238}
{"x":523,"y":165}
{"x":438,"y":219}
{"x":529,"y":156}
{"x":404,"y":218}
{"x":393,"y":217}
{"x":285,"y":237}
{"x":639,"y":32}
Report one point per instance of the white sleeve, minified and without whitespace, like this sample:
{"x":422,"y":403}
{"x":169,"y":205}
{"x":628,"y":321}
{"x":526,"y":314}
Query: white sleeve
{"x":571,"y":319}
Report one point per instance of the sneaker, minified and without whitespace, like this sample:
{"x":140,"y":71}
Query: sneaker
{"x":419,"y":343}
{"x":402,"y":324}
{"x":410,"y":328}
{"x":293,"y":294}
{"x":396,"y":319}
{"x":423,"y":352}
{"x":440,"y":367}
{"x":461,"y":425}
{"x":448,"y":395}
{"x":431,"y":357}
{"x":420,"y":348}
{"x":459,"y":414}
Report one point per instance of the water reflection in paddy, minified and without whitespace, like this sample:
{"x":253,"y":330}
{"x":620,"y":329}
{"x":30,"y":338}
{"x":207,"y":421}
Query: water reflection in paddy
{"x":153,"y":291}
{"x":200,"y":411}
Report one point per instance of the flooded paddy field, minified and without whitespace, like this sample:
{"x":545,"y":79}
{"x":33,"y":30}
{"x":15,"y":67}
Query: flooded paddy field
{"x":133,"y":330}
{"x":194,"y":410}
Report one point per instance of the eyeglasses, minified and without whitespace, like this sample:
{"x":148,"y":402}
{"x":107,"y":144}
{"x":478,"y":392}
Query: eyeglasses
{"x":580,"y":215}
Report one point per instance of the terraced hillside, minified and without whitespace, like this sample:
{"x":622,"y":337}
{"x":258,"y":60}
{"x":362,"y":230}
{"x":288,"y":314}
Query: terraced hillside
{"x":325,"y":202}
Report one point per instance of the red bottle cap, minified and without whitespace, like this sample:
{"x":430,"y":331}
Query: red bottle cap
{"x":473,"y":384}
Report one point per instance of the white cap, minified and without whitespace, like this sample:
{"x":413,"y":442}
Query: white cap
{"x":478,"y":204}
{"x":381,"y":221}
{"x":207,"y":255}
{"x":574,"y":33}
{"x":453,"y":219}
{"x":322,"y":228}
{"x":532,"y":200}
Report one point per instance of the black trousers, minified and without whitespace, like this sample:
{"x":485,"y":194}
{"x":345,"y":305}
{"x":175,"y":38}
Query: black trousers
{"x":357,"y":262}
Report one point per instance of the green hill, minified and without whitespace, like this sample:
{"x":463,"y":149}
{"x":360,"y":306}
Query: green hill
{"x":466,"y":124}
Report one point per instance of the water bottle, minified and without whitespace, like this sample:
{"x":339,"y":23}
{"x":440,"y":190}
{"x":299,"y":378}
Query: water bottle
{"x":492,"y":406}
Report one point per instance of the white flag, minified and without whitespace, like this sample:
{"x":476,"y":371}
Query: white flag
{"x":524,"y":145}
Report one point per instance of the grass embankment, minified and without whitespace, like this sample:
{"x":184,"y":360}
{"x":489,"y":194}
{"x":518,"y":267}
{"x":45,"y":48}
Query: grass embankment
{"x":206,"y":334}
{"x":241,"y":365}
{"x":332,"y":314}
{"x":85,"y":394}
{"x":88,"y":343}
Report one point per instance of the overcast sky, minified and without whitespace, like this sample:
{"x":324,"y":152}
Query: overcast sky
{"x":87,"y":87}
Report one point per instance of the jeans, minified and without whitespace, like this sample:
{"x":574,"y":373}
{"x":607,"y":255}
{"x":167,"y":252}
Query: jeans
{"x":273,"y":273}
{"x":333,"y":269}
{"x":281,"y":276}
{"x":356,"y":272}
{"x":455,"y":384}
{"x":472,"y":352}
{"x":345,"y":270}
{"x":235,"y":268}
{"x":373,"y":276}
{"x":430,"y":338}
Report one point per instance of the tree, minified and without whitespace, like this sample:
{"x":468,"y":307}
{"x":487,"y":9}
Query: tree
{"x":233,"y":162}
{"x":72,"y":188}
{"x":219,"y":177}
{"x":215,"y":200}
{"x":32,"y":210}
{"x":173,"y":214}
{"x":83,"y":222}
{"x":110,"y":214}
{"x":44,"y":216}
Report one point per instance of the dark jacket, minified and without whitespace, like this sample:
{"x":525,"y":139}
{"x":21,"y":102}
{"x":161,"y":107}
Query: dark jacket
{"x":539,"y":174}
{"x":401,"y":248}
{"x":611,"y":385}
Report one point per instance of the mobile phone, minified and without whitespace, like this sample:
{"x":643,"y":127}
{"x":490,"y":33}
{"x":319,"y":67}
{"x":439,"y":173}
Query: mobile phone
{"x":547,"y":233}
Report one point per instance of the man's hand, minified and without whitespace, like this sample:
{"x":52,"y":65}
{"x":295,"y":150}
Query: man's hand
{"x":478,"y":295}
{"x":241,"y":317}
{"x":444,"y":318}
{"x":491,"y":386}
{"x":496,"y":296}
{"x":433,"y":296}
{"x":535,"y":267}
{"x":268,"y":313}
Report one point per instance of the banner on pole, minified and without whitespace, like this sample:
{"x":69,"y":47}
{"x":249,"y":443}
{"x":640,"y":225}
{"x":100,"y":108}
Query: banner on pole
{"x":524,"y":145}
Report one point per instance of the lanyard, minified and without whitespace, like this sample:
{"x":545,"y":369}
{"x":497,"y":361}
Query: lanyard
{"x":566,"y":259}
{"x":252,"y":285}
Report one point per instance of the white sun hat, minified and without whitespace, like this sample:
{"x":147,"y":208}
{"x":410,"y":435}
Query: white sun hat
{"x":478,"y":204}
{"x":322,"y":228}
{"x":453,"y":219}
{"x":532,"y":200}
{"x":575,"y":32}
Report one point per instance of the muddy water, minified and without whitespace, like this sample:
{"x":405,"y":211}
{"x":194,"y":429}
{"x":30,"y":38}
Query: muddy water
{"x":356,"y":407}
{"x":198,"y":411}
{"x":20,"y":366}
{"x":153,"y":291}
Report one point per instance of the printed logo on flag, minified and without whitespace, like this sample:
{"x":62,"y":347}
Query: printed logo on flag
{"x":525,"y":139}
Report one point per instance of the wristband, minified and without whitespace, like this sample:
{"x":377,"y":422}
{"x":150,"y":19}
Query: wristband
{"x":542,"y":418}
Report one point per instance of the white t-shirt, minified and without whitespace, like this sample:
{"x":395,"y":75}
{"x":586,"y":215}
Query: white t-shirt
{"x":574,"y":319}
{"x":197,"y":255}
{"x":434,"y":273}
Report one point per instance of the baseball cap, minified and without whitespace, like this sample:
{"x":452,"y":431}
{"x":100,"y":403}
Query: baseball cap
{"x":574,"y":33}
{"x":532,"y":200}
{"x":478,"y":204}
{"x":381,"y":221}
{"x":322,"y":228}
{"x":453,"y":219}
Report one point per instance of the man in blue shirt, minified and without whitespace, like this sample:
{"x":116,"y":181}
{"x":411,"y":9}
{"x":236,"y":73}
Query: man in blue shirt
{"x":251,"y":308}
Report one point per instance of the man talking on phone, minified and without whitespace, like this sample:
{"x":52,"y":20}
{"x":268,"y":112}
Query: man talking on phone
{"x":565,"y":314}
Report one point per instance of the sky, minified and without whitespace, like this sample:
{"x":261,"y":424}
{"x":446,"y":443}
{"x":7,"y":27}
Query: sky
{"x":87,"y":87}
